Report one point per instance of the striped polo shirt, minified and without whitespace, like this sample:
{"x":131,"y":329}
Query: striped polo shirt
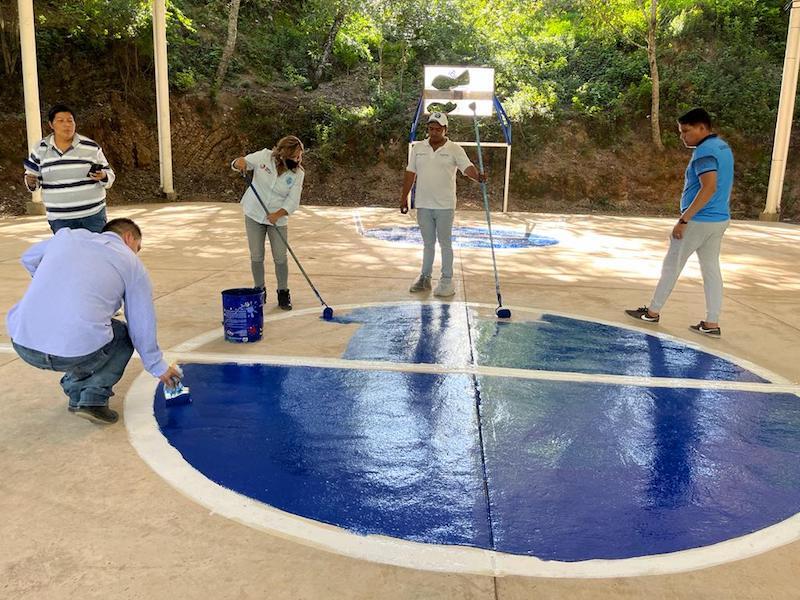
{"x":67,"y":190}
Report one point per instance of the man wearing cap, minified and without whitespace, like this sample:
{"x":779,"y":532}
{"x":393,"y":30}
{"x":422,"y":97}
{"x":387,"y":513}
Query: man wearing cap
{"x":433,"y":164}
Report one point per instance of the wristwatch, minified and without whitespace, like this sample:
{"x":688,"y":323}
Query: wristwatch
{"x":682,"y":222}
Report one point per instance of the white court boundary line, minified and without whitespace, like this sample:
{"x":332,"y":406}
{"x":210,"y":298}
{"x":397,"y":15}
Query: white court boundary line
{"x":440,"y":369}
{"x":204,"y":338}
{"x":784,"y":385}
{"x":165,"y":460}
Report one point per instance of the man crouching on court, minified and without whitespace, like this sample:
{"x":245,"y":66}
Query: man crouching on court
{"x":64,"y":321}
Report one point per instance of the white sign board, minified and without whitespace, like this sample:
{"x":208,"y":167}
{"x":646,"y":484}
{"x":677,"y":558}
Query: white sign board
{"x":451,"y":89}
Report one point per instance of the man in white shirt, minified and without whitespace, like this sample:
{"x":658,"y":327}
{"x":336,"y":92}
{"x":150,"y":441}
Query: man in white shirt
{"x":433,"y":164}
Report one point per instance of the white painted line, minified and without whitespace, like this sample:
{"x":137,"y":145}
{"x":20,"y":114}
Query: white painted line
{"x":747,"y":546}
{"x":480,"y":370}
{"x":214,"y":335}
{"x":535,"y":314}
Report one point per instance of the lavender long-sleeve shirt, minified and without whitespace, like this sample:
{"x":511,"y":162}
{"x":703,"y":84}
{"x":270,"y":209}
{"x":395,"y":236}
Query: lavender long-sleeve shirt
{"x":79,"y":280}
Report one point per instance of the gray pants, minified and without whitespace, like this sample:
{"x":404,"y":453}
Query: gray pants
{"x":705,"y":239}
{"x":436,"y":223}
{"x":256,"y":235}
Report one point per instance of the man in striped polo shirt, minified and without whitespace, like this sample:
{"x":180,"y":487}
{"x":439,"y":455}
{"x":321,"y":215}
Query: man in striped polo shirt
{"x":72,"y":172}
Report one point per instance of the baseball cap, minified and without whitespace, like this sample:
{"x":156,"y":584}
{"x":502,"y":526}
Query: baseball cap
{"x":439,"y":117}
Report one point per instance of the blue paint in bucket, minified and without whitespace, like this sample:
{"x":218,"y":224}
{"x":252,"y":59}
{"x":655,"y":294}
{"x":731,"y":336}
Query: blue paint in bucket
{"x":242,"y":314}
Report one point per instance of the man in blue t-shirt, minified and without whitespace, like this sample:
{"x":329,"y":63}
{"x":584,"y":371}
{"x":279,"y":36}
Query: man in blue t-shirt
{"x":705,"y":215}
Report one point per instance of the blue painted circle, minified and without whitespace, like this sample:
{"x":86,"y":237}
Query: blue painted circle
{"x":560,"y":470}
{"x":465,"y":237}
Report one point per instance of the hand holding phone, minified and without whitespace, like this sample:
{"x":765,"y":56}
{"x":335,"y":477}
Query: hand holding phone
{"x":96,"y":172}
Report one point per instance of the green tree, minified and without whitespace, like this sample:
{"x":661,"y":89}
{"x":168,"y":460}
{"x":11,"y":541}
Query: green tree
{"x":639,"y":23}
{"x":341,"y":9}
{"x":230,"y":45}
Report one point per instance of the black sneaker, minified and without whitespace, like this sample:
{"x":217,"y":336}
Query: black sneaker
{"x":710,"y":331}
{"x":95,"y":414}
{"x":643,"y":314}
{"x":284,"y":300}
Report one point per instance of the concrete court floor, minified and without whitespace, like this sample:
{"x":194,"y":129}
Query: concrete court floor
{"x":84,"y":517}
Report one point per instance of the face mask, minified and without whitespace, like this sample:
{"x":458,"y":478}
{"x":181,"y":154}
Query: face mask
{"x":290,"y":164}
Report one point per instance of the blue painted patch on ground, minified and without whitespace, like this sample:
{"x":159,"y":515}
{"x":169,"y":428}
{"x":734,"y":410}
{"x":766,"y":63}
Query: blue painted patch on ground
{"x":559,"y":470}
{"x":438,"y":333}
{"x":410,"y":333}
{"x":586,"y":471}
{"x":351,"y":448}
{"x":575,"y":471}
{"x":466,"y":237}
{"x":555,"y":343}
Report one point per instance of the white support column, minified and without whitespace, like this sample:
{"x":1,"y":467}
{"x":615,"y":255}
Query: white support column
{"x":508,"y":178}
{"x":158,"y":129}
{"x":783,"y":128}
{"x":30,"y":83}
{"x":162,"y":96}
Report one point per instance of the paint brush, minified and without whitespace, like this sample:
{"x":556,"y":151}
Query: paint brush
{"x":179,"y":394}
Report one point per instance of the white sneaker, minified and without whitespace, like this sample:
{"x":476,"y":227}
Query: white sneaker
{"x":422,"y":283}
{"x":444,"y":289}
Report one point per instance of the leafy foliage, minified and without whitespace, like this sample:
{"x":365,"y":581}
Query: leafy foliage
{"x":556,"y":61}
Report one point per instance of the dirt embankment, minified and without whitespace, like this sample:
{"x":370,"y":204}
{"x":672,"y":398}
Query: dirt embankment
{"x":569,"y":173}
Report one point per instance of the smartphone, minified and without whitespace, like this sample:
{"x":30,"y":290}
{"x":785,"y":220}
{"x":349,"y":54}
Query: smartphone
{"x":95,"y":168}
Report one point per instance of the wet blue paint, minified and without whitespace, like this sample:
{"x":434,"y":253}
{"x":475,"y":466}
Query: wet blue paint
{"x":466,"y":237}
{"x":585,"y":471}
{"x":574,"y":471}
{"x":556,"y":343}
{"x":374,"y":452}
{"x":437,"y":333}
{"x":567,"y":471}
{"x":410,"y":333}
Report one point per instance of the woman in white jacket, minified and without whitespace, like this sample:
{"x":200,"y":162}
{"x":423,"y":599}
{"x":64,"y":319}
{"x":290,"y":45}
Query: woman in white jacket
{"x":278,"y":178}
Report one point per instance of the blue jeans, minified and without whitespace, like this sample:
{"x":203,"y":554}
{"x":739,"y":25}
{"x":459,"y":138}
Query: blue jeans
{"x":92,"y":222}
{"x":436,"y":223}
{"x":87,"y":379}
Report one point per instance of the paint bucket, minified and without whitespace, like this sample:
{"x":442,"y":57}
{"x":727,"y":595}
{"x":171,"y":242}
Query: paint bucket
{"x":242,"y":314}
